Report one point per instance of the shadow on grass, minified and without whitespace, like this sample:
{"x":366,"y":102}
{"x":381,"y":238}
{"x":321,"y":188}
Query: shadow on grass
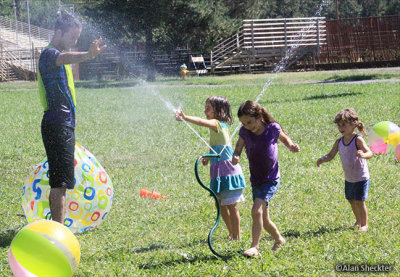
{"x":162,"y":245}
{"x":150,"y":248}
{"x":315,"y":97}
{"x":359,"y":77}
{"x":7,"y":236}
{"x":107,"y":84}
{"x":319,"y":232}
{"x":154,"y":247}
{"x":152,"y":265}
{"x":328,"y":96}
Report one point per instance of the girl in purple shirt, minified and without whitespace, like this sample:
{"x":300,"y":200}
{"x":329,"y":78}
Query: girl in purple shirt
{"x":260,"y":134}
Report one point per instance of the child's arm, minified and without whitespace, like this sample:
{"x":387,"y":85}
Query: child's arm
{"x":288,"y":142}
{"x":179,"y":115}
{"x":364,"y":152}
{"x":238,"y":151}
{"x":328,"y":157}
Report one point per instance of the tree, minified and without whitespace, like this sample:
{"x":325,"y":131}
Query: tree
{"x":43,"y":15}
{"x":163,"y":24}
{"x":6,"y":8}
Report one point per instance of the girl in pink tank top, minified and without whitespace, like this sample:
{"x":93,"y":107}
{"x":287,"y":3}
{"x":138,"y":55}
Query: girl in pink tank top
{"x":353,"y":152}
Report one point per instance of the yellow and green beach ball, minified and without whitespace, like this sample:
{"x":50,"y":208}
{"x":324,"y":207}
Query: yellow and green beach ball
{"x":44,"y":248}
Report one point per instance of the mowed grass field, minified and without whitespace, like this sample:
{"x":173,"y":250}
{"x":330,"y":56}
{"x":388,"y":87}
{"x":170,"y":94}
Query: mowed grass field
{"x":140,"y":144}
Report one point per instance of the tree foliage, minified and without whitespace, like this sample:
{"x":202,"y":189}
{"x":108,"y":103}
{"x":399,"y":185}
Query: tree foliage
{"x":196,"y":23}
{"x":167,"y":24}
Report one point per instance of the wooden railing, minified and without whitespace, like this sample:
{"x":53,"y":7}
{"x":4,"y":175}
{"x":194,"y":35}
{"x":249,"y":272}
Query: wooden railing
{"x":21,"y":62}
{"x":20,"y":43}
{"x":21,"y":31}
{"x":227,"y":48}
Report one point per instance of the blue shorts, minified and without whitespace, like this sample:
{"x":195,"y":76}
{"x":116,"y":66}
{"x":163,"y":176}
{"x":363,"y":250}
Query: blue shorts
{"x":357,"y":190}
{"x":266,"y":191}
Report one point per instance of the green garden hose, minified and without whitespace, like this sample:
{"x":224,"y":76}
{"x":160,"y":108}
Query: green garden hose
{"x":216,"y":203}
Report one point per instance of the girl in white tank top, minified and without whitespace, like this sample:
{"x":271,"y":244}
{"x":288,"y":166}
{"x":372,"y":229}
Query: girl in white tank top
{"x":353,"y":152}
{"x":355,"y":168}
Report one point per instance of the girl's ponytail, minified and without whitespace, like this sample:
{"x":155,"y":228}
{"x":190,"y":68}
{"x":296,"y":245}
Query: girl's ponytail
{"x":253,"y":109}
{"x":361,"y":127}
{"x":267,"y":118}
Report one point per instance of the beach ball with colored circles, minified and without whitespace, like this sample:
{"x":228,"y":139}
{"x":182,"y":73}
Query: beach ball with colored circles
{"x":384,"y":136}
{"x":44,"y":248}
{"x":86,"y":205}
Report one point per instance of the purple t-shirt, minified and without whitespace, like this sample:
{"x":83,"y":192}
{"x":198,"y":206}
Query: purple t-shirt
{"x":262,"y":152}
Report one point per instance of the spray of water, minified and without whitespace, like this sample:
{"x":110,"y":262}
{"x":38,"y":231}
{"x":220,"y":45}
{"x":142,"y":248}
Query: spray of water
{"x":280,"y":67}
{"x":173,"y":109}
{"x":284,"y":62}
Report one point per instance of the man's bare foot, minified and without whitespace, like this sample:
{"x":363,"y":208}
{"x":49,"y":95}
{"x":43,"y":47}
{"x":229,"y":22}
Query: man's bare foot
{"x":278,"y":244}
{"x":251,"y":252}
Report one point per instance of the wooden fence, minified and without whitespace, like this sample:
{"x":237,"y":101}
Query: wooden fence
{"x":316,"y":43}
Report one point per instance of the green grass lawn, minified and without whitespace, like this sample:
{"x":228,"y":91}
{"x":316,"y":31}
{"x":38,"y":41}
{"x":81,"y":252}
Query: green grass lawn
{"x":140,"y":144}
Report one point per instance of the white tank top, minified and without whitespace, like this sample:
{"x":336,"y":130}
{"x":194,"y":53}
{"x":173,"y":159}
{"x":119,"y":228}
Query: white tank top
{"x":355,"y":169}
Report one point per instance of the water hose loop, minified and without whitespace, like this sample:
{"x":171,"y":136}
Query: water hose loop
{"x":196,"y":171}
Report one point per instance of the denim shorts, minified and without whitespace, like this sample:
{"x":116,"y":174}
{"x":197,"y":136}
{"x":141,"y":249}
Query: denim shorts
{"x":357,"y":190}
{"x":266,"y":191}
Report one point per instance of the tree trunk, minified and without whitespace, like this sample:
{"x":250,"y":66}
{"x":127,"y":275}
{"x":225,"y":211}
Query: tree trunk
{"x":150,"y":65}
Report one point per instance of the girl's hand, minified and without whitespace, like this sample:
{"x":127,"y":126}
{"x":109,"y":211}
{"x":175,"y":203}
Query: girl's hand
{"x":235,"y":159}
{"x":364,"y":152}
{"x":179,"y":115}
{"x":294,"y":148}
{"x":362,"y":155}
{"x":204,"y":161}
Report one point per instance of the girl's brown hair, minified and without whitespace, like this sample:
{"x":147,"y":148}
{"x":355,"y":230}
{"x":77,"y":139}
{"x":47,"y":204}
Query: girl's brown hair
{"x":349,"y":115}
{"x":253,"y":109}
{"x":221,"y":107}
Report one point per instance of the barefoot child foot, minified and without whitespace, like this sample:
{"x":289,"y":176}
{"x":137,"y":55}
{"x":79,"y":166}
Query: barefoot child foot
{"x":363,"y":228}
{"x":251,"y":252}
{"x":278,"y":244}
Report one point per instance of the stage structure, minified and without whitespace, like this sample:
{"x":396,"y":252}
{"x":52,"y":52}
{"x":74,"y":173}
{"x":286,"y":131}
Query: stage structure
{"x":262,"y":43}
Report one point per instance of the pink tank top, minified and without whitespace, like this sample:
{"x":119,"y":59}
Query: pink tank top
{"x":355,"y":169}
